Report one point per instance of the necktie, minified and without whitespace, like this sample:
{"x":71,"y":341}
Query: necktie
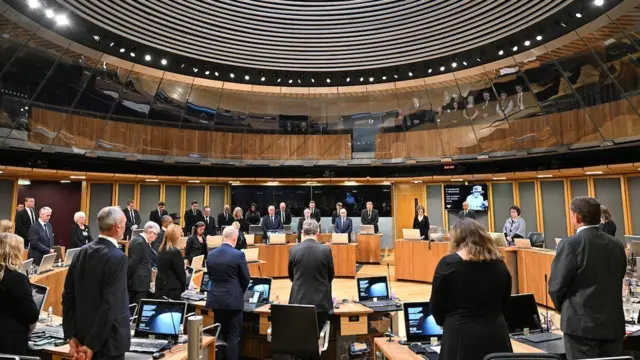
{"x":272,"y":220}
{"x":194,"y":212}
{"x":46,"y":231}
{"x":369,"y":214}
{"x":206,"y":220}
{"x":32,"y":216}
{"x":133,"y":218}
{"x":160,"y":213}
{"x":282,"y":216}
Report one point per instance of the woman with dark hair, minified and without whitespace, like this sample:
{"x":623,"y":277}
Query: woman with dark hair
{"x":514,"y":226}
{"x":253,"y":215}
{"x":607,"y":225}
{"x":196,"y":243}
{"x":421,"y":222}
{"x":474,"y":326}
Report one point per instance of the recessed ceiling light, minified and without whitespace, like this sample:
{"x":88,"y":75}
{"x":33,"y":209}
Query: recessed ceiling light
{"x":262,"y":78}
{"x":454,"y":64}
{"x":273,"y":183}
{"x":501,"y":52}
{"x":593,"y":172}
{"x":545,"y":176}
{"x":416,"y":181}
{"x":147,"y":57}
{"x":49,"y":13}
{"x":361,"y":79}
{"x":348,"y":79}
{"x":598,"y":2}
{"x":290,"y":81}
{"x":77,"y":177}
{"x":207,"y":72}
{"x":194,"y":181}
{"x":527,"y":43}
{"x":578,"y":15}
{"x":163,"y":61}
{"x":563,"y":24}
{"x":464,"y":63}
{"x":132,"y":54}
{"x":499,"y":178}
{"x":442,"y":68}
{"x":232,"y":75}
{"x":299,"y":81}
{"x":152,"y":180}
{"x":62,"y":20}
{"x":395,"y":76}
{"x":515,"y":48}
{"x":312,"y":80}
{"x":328,"y":80}
{"x":34,"y":4}
{"x":195,"y":70}
{"x":429,"y":71}
{"x":216,"y":73}
{"x":111,"y":44}
{"x":246,"y":77}
{"x":384,"y":77}
{"x":410,"y":73}
{"x":350,"y":182}
{"x":370,"y":79}
{"x":539,"y":37}
{"x":65,"y":181}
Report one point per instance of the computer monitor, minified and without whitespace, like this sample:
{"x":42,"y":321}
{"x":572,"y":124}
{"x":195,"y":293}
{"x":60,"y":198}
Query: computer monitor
{"x":39,"y":293}
{"x":262,"y":285}
{"x":160,"y":318}
{"x":523,"y":313}
{"x":252,"y":254}
{"x":255,"y":229}
{"x":367,"y":229}
{"x":628,"y":239}
{"x":372,"y":287}
{"x":197,"y":262}
{"x":205,"y":283}
{"x":46,"y":264}
{"x":411,"y":234}
{"x":68,"y":258}
{"x":499,"y":239}
{"x":189,"y":270}
{"x":26,"y":265}
{"x":419,"y":323}
{"x":287,"y":229}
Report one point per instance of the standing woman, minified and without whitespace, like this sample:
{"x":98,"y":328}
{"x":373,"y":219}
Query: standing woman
{"x":607,"y":225}
{"x":237,"y":216}
{"x":196,"y":243}
{"x":6,"y":226}
{"x":253,"y":215}
{"x":80,"y":233}
{"x":421,"y":222}
{"x":18,"y":311}
{"x":474,"y":326}
{"x":171,"y":280}
{"x":514,"y":226}
{"x":241,"y":243}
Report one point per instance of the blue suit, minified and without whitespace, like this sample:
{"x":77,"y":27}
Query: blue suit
{"x":229,"y":274}
{"x":40,"y":241}
{"x":343,"y":227}
{"x":269,"y":225}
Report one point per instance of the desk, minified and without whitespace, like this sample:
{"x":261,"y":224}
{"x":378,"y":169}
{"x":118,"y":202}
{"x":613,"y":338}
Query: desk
{"x":55,"y":281}
{"x":368,"y":248}
{"x":416,"y":260}
{"x":344,"y":259}
{"x":255,"y":268}
{"x":291,"y":239}
{"x":276,"y":260}
{"x":394,"y":351}
{"x":533,"y":265}
{"x":324,"y":238}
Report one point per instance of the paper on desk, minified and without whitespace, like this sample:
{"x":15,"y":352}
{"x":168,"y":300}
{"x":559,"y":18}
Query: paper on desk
{"x":632,"y":328}
{"x":436,"y":349}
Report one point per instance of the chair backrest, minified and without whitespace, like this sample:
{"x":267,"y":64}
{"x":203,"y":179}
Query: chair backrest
{"x":536,"y":238}
{"x":518,"y":356}
{"x":295,"y":338}
{"x":250,"y":238}
{"x":214,"y":241}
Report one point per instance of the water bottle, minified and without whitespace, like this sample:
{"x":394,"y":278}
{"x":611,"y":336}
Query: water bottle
{"x":334,"y":299}
{"x":393,"y":295}
{"x":50,"y":314}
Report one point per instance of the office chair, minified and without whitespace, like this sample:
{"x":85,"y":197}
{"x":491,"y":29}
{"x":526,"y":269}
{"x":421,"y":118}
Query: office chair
{"x":536,"y":238}
{"x":297,"y":338}
{"x":17,"y":357}
{"x":520,"y":356}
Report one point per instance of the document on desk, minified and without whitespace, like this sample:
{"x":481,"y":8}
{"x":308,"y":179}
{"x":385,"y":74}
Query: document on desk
{"x":436,"y":349}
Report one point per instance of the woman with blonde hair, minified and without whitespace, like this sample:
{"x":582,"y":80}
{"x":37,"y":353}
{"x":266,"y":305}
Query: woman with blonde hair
{"x":237,"y":217}
{"x":241,"y":243}
{"x":18,"y":311}
{"x":470,"y":295}
{"x":6,"y":226}
{"x":171,"y":280}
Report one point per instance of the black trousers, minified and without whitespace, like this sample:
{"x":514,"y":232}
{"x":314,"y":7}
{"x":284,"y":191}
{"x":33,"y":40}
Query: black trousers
{"x":578,"y":347}
{"x":230,"y":331}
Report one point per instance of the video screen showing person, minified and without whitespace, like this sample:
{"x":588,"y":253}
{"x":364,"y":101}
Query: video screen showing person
{"x":205,"y":285}
{"x":262,"y":285}
{"x":420,"y":323}
{"x":373,"y":287}
{"x":161,"y":318}
{"x":474,"y":195}
{"x":39,"y":294}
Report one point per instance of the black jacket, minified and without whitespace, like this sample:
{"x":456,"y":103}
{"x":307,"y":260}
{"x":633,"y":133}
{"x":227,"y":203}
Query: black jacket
{"x":190,"y":220}
{"x":268,"y":225}
{"x":365,"y":219}
{"x":584,"y":285}
{"x":229,"y":274}
{"x":470,"y":214}
{"x":300,"y":223}
{"x":253,"y":218}
{"x":195,"y":248}
{"x":40,"y":242}
{"x":315,"y":213}
{"x":334,"y":216}
{"x":141,"y":257}
{"x":17,"y":312}
{"x":287,"y":216}
{"x":131,"y":221}
{"x":95,"y":301}
{"x":224,"y":220}
{"x":608,"y":227}
{"x":23,"y":223}
{"x":311,"y":272}
{"x":423,"y":226}
{"x":209,"y":227}
{"x":80,"y":237}
{"x":156,"y":216}
{"x":171,"y":272}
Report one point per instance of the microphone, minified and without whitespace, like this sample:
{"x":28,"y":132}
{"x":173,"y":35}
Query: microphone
{"x":546,"y":302}
{"x":389,"y":276}
{"x":259,"y":270}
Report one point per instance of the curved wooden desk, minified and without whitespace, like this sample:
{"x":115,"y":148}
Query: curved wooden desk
{"x":55,"y":281}
{"x":394,"y":351}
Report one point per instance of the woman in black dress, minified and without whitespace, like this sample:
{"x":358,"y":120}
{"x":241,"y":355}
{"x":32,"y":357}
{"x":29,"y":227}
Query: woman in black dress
{"x":470,"y":295}
{"x":237,"y":216}
{"x":421,"y":222}
{"x":241,"y":243}
{"x":196,"y":243}
{"x":607,"y":225}
{"x":171,"y":280}
{"x":253,"y":216}
{"x":80,"y":233}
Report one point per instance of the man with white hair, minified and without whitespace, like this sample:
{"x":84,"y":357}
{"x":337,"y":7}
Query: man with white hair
{"x":41,"y":236}
{"x":95,"y":303}
{"x":284,"y":214}
{"x":141,"y":260}
{"x":270,"y":222}
{"x":229,"y":275}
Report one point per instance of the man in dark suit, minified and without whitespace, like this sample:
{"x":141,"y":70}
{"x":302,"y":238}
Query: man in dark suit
{"x":466,"y":213}
{"x":369,"y":216}
{"x":225,"y":218}
{"x":166,"y":221}
{"x":229,"y":274}
{"x":584,"y":285}
{"x":25,"y":218}
{"x":284,"y":214}
{"x":41,"y":236}
{"x":270,"y":222}
{"x":343,"y":224}
{"x":311,"y":272}
{"x":209,"y":222}
{"x":191,"y":217}
{"x":336,"y":213}
{"x":95,"y":302}
{"x":157,"y":214}
{"x":141,"y":260}
{"x":315,"y":213}
{"x":133,"y":219}
{"x":307,"y":216}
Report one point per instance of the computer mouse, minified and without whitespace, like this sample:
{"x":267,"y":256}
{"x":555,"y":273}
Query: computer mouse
{"x":336,"y":306}
{"x":158,"y":355}
{"x":345,"y":301}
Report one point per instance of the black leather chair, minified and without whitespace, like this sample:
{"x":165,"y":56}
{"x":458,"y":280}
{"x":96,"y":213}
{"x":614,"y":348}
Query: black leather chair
{"x":297,"y":338}
{"x":536,"y":238}
{"x":519,"y":356}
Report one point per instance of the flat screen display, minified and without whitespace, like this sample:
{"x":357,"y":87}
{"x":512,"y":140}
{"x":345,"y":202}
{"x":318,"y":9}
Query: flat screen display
{"x":476,"y":195}
{"x":160,"y":317}
{"x":262,"y":285}
{"x":373,"y":287}
{"x":39,"y":293}
{"x":523,"y":313}
{"x":420,"y":324}
{"x":205,"y":285}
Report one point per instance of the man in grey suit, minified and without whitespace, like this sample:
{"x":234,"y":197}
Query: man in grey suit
{"x":41,"y":236}
{"x":311,"y":272}
{"x":586,"y":276}
{"x":466,"y":213}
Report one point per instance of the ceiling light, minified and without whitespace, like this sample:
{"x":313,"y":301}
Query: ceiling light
{"x":410,"y":73}
{"x":195,"y":70}
{"x":384,"y":77}
{"x":527,"y":43}
{"x":77,"y":177}
{"x":299,"y":81}
{"x":262,"y":78}
{"x":478,"y":59}
{"x":442,"y":68}
{"x":3,"y":171}
{"x":464,"y":63}
{"x":290,"y":81}
{"x":348,"y":79}
{"x":500,"y":52}
{"x":312,"y":80}
{"x":96,"y":37}
{"x":545,"y":176}
{"x":539,"y":37}
{"x":273,"y":183}
{"x":515,"y":48}
{"x":370,"y":79}
{"x":395,"y":76}
{"x":132,"y":54}
{"x":350,"y":183}
{"x":65,"y":181}
{"x":151,"y":180}
{"x":49,"y":13}
{"x":111,"y":44}
{"x":312,"y":182}
{"x":598,"y":2}
{"x":563,"y":24}
{"x":34,"y":4}
{"x":457,"y":180}
{"x":416,"y":181}
{"x":24,"y":182}
{"x":361,"y":79}
{"x":578,"y":15}
{"x":62,"y":20}
{"x":499,"y":178}
{"x":147,"y":57}
{"x":246,"y":77}
{"x":216,"y":73}
{"x":232,"y":75}
{"x":163,"y":61}
{"x":429,"y":71}
{"x":207,"y":72}
{"x":454,"y":64}
{"x":593,"y":173}
{"x":281,"y":80}
{"x":328,"y":80}
{"x":194,"y":181}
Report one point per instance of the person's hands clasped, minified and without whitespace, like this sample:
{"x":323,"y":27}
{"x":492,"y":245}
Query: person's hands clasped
{"x":79,"y":352}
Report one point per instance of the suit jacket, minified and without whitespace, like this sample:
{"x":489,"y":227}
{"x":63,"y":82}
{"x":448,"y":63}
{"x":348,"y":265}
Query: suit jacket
{"x":209,"y":227}
{"x":586,"y":274}
{"x":608,"y":227}
{"x":343,"y":228}
{"x":268,"y":225}
{"x":17,"y":312}
{"x":287,"y":216}
{"x":141,"y":257}
{"x":311,"y":272}
{"x":334,"y":215}
{"x":470,"y":214}
{"x":40,"y":242}
{"x":158,"y":241}
{"x":365,"y":219}
{"x":300,"y":223}
{"x":78,"y":238}
{"x":171,"y":272}
{"x":130,"y":221}
{"x":95,"y":301}
{"x":157,"y":217}
{"x":194,"y":248}
{"x":229,"y":274}
{"x":23,"y":224}
{"x":423,"y":226}
{"x":224,"y":220}
{"x":190,"y":220}
{"x":315,"y":213}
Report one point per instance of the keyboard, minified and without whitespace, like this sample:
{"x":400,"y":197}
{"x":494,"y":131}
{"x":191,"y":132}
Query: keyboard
{"x":380,"y":303}
{"x":192,"y":295}
{"x":541,"y":337}
{"x":147,"y":345}
{"x":54,"y":332}
{"x":250,"y":307}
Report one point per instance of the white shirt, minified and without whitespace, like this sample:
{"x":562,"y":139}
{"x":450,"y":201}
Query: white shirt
{"x":585,"y":227}
{"x":112,"y":240}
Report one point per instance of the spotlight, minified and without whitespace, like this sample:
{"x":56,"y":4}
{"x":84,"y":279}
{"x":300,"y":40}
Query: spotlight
{"x":123,"y":50}
{"x":395,"y":76}
{"x":207,"y":72}
{"x":328,"y":81}
{"x":578,"y":15}
{"x":96,"y":37}
{"x":195,"y":70}
{"x":111,"y":44}
{"x":279,"y":80}
{"x":598,"y":2}
{"x":348,"y":79}
{"x":132,"y":54}
{"x":62,"y":20}
{"x":299,"y":81}
{"x":361,"y":79}
{"x":429,"y":71}
{"x":290,"y":81}
{"x":539,"y":37}
{"x":454,"y":65}
{"x":262,"y":78}
{"x":246,"y":77}
{"x":34,"y":4}
{"x":441,"y":68}
{"x":501,"y":52}
{"x":232,"y":75}
{"x":563,"y":24}
{"x":527,"y":43}
{"x":147,"y":57}
{"x":515,"y":48}
{"x":370,"y":79}
{"x":478,"y":59}
{"x":49,"y":13}
{"x":464,"y":63}
{"x":410,"y":73}
{"x":163,"y":61}
{"x":312,"y":80}
{"x":384,"y":77}
{"x":216,"y":73}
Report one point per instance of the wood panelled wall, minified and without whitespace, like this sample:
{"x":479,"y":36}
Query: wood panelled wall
{"x":85,"y":132}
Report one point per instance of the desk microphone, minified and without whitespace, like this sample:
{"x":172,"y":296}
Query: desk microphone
{"x":259,"y":270}
{"x":389,"y":276}
{"x":546,"y":302}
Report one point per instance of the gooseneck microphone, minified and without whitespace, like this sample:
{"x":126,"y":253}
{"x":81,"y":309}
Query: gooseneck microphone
{"x":546,"y":302}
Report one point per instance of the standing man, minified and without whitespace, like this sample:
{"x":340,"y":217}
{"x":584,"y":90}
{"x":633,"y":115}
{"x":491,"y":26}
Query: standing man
{"x":270,"y":222}
{"x":191,"y":217}
{"x":95,"y":302}
{"x":336,"y":213}
{"x":343,"y":225}
{"x":307,"y":216}
{"x":166,"y":221}
{"x":369,"y":216}
{"x":41,"y":237}
{"x":229,"y":274}
{"x":315,"y":213}
{"x":141,"y":260}
{"x":133,"y":219}
{"x":584,"y":285}
{"x":157,"y":214}
{"x":209,"y":223}
{"x":311,"y":272}
{"x":225,"y":218}
{"x":284,"y":214}
{"x":25,"y":218}
{"x":466,"y":213}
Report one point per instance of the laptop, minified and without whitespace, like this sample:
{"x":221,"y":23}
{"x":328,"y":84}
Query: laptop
{"x":255,"y":229}
{"x":58,"y":251}
{"x":214,"y":241}
{"x":158,"y":321}
{"x":196,"y":262}
{"x":523,"y":243}
{"x":205,"y":284}
{"x":189,"y":270}
{"x":39,"y":293}
{"x":367,"y":229}
{"x":523,"y":314}
{"x":287,"y":229}
{"x":419,"y":324}
{"x":277,"y":239}
{"x":68,"y":258}
{"x":499,"y":239}
{"x":339,"y":238}
{"x":628,"y":239}
{"x":250,"y":239}
{"x":47,"y":262}
{"x":26,"y":265}
{"x":251,"y":254}
{"x":411,"y":234}
{"x":257,"y":293}
{"x":375,"y":288}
